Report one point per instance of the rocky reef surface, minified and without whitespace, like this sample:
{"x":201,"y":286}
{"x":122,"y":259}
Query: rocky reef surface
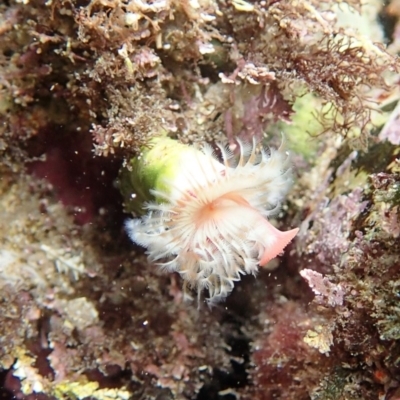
{"x":86,"y":85}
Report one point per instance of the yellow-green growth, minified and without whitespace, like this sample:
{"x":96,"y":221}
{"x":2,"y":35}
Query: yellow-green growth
{"x":79,"y":390}
{"x":301,"y":133}
{"x":156,"y":165}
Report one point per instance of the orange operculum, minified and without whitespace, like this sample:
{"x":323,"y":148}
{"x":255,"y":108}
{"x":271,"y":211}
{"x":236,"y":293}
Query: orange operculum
{"x":281,"y":240}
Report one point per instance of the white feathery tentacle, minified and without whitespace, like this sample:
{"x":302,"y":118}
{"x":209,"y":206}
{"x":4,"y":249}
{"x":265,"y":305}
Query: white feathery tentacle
{"x":210,"y":225}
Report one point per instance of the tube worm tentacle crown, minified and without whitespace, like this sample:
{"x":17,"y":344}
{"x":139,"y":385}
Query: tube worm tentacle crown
{"x":208,"y":220}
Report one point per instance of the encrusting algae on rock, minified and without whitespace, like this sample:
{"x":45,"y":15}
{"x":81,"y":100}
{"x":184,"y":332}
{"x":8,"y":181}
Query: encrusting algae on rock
{"x":208,"y":220}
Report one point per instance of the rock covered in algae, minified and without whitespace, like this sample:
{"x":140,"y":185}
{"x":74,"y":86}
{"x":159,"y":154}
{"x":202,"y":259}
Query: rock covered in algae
{"x":78,"y":77}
